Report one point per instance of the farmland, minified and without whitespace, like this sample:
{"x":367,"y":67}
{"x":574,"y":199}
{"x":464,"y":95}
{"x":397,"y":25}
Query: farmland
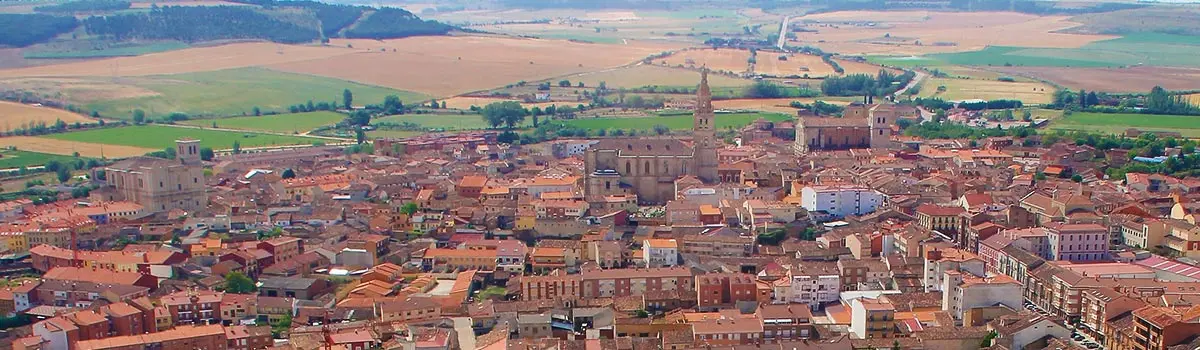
{"x":1133,"y":79}
{"x":674,"y":122}
{"x":616,"y":26}
{"x":235,"y":92}
{"x":1189,"y":126}
{"x":448,"y":66}
{"x":441,"y":121}
{"x":17,"y":158}
{"x":720,"y":60}
{"x":965,"y":89}
{"x":926,"y":32}
{"x":121,"y":51}
{"x":279,"y":123}
{"x":643,"y":75}
{"x":14,"y":115}
{"x":778,"y":105}
{"x":65,"y":147}
{"x":157,"y":137}
{"x":200,"y":59}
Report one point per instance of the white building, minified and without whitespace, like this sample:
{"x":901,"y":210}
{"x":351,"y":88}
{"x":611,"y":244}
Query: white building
{"x":840,"y":201}
{"x":962,"y":292}
{"x":1026,"y":329}
{"x":815,"y":286}
{"x":937,"y":262}
{"x":660,"y":252}
{"x":871,"y":318}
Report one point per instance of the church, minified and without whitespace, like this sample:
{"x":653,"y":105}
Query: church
{"x":648,"y":167}
{"x":861,"y":126}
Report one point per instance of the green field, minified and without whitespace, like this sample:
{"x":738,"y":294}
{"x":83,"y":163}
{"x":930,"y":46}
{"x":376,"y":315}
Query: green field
{"x":17,"y":158}
{"x":281,"y":123}
{"x":132,"y":50}
{"x":159,"y":136}
{"x":235,"y":92}
{"x":443,"y":121}
{"x":675,"y":122}
{"x":1189,"y":126}
{"x":1154,"y":49}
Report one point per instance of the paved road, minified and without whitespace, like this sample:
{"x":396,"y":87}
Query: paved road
{"x":783,"y":32}
{"x":916,"y":80}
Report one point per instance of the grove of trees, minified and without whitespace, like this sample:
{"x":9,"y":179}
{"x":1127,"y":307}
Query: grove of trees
{"x":199,"y":23}
{"x":388,"y":23}
{"x":84,"y":6}
{"x":24,"y":30}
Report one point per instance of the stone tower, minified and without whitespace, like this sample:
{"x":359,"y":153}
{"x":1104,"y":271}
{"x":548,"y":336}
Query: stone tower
{"x":187,"y":151}
{"x":880,"y":124}
{"x":703,"y":134}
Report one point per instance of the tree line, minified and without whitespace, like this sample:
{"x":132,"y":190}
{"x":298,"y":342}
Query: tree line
{"x":199,"y":23}
{"x":23,"y":30}
{"x":883,"y":83}
{"x":84,"y":6}
{"x":388,"y":23}
{"x":1157,"y":101}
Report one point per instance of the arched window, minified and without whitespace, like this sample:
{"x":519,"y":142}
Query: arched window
{"x":628,"y":168}
{"x":647,"y":167}
{"x":666,"y":167}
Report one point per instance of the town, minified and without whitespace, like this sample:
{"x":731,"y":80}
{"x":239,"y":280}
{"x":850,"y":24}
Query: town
{"x":822,"y":233}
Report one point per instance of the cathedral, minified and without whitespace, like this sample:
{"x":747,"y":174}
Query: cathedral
{"x":861,"y":126}
{"x":648,"y":167}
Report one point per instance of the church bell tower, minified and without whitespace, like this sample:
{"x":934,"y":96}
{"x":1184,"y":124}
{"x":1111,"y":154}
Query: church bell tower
{"x":702,"y":132}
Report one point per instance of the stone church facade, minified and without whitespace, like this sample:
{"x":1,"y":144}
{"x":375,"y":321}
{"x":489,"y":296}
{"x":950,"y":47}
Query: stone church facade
{"x":861,"y":126}
{"x":648,"y":167}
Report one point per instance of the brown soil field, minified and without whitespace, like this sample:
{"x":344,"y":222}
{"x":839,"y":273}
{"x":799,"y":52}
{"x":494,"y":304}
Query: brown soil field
{"x":897,"y":32}
{"x":79,"y":89}
{"x":798,"y":64}
{"x":465,"y":102}
{"x":1134,"y":79}
{"x":966,"y":89}
{"x":448,"y":66}
{"x":13,"y":115}
{"x":643,"y":75}
{"x":52,"y":146}
{"x":781,"y":105}
{"x":185,"y":61}
{"x":721,"y":59}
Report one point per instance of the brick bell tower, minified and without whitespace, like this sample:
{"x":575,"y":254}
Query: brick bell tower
{"x":703,"y":135}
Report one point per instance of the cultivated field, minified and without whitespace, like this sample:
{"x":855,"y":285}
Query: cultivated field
{"x":17,"y":158}
{"x":1189,"y":126}
{"x":798,"y":64}
{"x":448,"y":66}
{"x":616,"y":26}
{"x":233,"y":92}
{"x":731,"y":60}
{"x":643,"y":75}
{"x":15,"y":115}
{"x":441,"y":121}
{"x":297,"y":123}
{"x":200,"y":59}
{"x":965,"y":89}
{"x":923,"y":32}
{"x":464,"y":102}
{"x":65,"y":147}
{"x":1133,"y":79}
{"x":157,"y":137}
{"x":674,"y":122}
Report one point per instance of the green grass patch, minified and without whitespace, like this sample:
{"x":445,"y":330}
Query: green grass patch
{"x":1116,"y":123}
{"x":674,"y":122}
{"x":235,"y":92}
{"x":119,"y":51}
{"x":904,"y":61}
{"x":17,"y":158}
{"x":443,"y":121}
{"x":282,"y":123}
{"x":160,"y":136}
{"x":1154,"y":49}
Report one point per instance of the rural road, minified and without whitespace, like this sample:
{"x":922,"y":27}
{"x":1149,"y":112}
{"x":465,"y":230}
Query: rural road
{"x":783,"y":32}
{"x":916,"y":80}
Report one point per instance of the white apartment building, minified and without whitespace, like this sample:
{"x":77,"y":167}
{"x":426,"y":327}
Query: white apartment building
{"x":841,"y":201}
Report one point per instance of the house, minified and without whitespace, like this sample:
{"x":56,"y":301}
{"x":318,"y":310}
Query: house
{"x":193,"y":307}
{"x":872,"y":318}
{"x":660,"y":252}
{"x":841,"y":201}
{"x":1025,"y":329}
{"x":962,"y":292}
{"x":292,"y":287}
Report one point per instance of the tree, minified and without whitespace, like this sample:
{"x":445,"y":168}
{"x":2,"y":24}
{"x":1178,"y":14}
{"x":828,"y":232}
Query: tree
{"x":288,"y":173}
{"x":139,"y":116}
{"x":564,"y":83}
{"x":1077,"y":178}
{"x":509,"y":113}
{"x":206,"y":153}
{"x":360,"y":136}
{"x":661,"y":129}
{"x":238,"y":283}
{"x":63,"y":174}
{"x":347,"y":97}
{"x":535,"y":120}
{"x":1082,"y":98}
{"x":433,"y":104}
{"x":409,"y":208}
{"x":1093,"y":99}
{"x":360,"y":118}
{"x":392,"y":105}
{"x":237,"y":147}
